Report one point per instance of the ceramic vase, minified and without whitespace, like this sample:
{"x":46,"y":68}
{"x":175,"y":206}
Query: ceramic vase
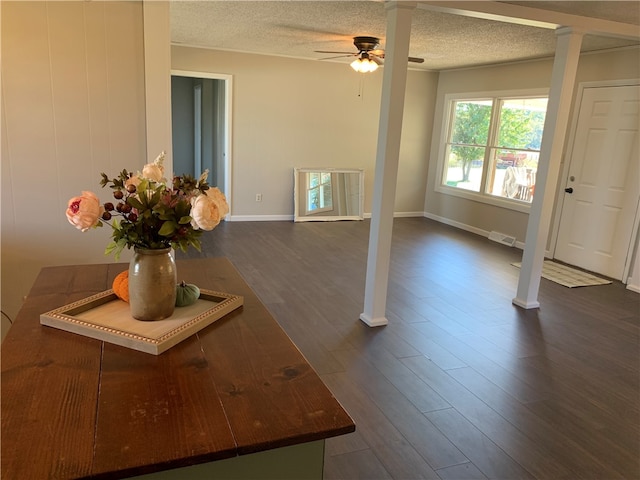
{"x":152,"y":284}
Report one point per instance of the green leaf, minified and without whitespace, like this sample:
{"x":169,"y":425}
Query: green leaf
{"x":155,"y":198}
{"x":168,"y":228}
{"x":184,"y":220}
{"x":135,"y":203}
{"x":115,"y":248}
{"x":111,"y":246}
{"x":143,"y":185}
{"x":196,"y":244}
{"x":104,"y":181}
{"x":183,"y":245}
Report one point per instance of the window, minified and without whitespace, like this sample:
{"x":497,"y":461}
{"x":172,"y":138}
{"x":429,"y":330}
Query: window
{"x":493,"y":146}
{"x":319,"y":192}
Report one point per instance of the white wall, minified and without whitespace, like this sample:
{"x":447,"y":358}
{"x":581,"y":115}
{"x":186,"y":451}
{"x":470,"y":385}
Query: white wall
{"x":305,"y":113}
{"x":73,"y":105}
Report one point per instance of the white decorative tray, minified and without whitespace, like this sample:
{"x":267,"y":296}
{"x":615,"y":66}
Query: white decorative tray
{"x":105,"y":317}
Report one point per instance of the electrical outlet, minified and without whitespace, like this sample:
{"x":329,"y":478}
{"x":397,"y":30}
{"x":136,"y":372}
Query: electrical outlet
{"x":258,"y":197}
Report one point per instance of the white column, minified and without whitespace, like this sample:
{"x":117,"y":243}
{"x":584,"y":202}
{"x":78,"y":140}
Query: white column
{"x":388,"y":152}
{"x":563,"y":77}
{"x":157,"y":81}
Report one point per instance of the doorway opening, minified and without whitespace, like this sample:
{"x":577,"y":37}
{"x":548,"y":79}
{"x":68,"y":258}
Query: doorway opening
{"x":201,"y":126}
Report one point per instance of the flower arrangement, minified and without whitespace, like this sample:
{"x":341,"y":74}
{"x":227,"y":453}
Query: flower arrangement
{"x":150,"y":213}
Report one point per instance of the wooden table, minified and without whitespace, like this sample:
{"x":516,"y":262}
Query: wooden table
{"x":236,"y":396}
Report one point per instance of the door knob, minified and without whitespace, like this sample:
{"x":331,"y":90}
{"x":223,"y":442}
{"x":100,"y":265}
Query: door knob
{"x":569,"y":190}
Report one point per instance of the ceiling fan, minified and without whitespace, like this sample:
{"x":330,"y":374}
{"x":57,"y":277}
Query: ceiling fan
{"x":368,"y":54}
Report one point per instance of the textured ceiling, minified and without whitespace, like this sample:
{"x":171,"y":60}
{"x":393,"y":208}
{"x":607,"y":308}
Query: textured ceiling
{"x":298,"y":28}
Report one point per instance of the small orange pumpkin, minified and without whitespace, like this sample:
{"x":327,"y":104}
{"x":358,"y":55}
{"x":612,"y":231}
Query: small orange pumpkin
{"x":121,"y":286}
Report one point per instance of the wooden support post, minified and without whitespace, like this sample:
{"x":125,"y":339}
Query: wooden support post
{"x":388,"y":152}
{"x":563,"y":77}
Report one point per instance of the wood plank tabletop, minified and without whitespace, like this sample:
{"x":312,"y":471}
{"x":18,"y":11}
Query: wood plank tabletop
{"x":75,"y":407}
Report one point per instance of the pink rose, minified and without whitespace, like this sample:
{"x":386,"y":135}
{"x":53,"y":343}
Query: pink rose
{"x":84,"y":211}
{"x":208,"y":209}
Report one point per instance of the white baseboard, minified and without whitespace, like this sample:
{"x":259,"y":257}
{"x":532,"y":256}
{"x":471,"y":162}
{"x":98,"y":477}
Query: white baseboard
{"x":477,"y":231}
{"x":461,"y":226}
{"x":408,"y":214}
{"x":633,"y":287}
{"x":260,"y":218}
{"x":289,"y":218}
{"x":400,"y":214}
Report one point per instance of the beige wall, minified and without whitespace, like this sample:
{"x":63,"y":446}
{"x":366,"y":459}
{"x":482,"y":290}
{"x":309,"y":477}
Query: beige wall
{"x":482,"y":217}
{"x":305,"y":113}
{"x":72,"y":106}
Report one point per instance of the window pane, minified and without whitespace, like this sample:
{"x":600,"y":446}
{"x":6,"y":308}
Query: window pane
{"x":327,"y":201}
{"x":522,"y":122}
{"x":494,"y":151}
{"x":314,"y":179}
{"x":464,"y":167}
{"x":470,"y":127}
{"x":515,"y":164}
{"x":319,"y":192}
{"x":313,"y":202}
{"x":514,"y":175}
{"x":471,"y":122}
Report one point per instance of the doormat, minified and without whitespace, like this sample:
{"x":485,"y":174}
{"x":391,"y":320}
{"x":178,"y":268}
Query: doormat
{"x":567,"y":276}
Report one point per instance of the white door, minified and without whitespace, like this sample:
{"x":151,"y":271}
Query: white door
{"x":601,"y":193}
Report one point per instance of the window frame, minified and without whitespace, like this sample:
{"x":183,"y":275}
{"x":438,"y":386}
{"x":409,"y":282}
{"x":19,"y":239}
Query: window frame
{"x":447,"y":121}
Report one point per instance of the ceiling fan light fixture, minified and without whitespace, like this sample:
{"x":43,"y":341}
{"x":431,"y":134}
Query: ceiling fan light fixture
{"x":364,"y":65}
{"x":368,"y":56}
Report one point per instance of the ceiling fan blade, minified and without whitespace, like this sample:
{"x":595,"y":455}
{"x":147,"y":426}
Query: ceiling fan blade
{"x":339,"y":56}
{"x":411,"y":59}
{"x":329,"y":51}
{"x":376,"y":59}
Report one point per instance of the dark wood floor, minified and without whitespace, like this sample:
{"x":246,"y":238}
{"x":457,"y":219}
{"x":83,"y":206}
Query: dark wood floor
{"x":461,"y":384}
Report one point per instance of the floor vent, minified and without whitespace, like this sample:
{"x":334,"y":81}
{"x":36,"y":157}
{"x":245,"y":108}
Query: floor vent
{"x":502,"y":238}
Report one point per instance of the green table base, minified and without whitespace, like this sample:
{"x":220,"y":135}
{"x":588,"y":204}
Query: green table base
{"x":297,"y":462}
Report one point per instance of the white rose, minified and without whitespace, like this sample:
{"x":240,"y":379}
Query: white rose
{"x":153,"y":172}
{"x":133,"y":180}
{"x":208,"y":209}
{"x":220,"y":200}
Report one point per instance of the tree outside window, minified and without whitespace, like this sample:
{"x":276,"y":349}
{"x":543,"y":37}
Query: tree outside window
{"x":319,"y":192}
{"x":469,"y":139}
{"x":493,"y":146}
